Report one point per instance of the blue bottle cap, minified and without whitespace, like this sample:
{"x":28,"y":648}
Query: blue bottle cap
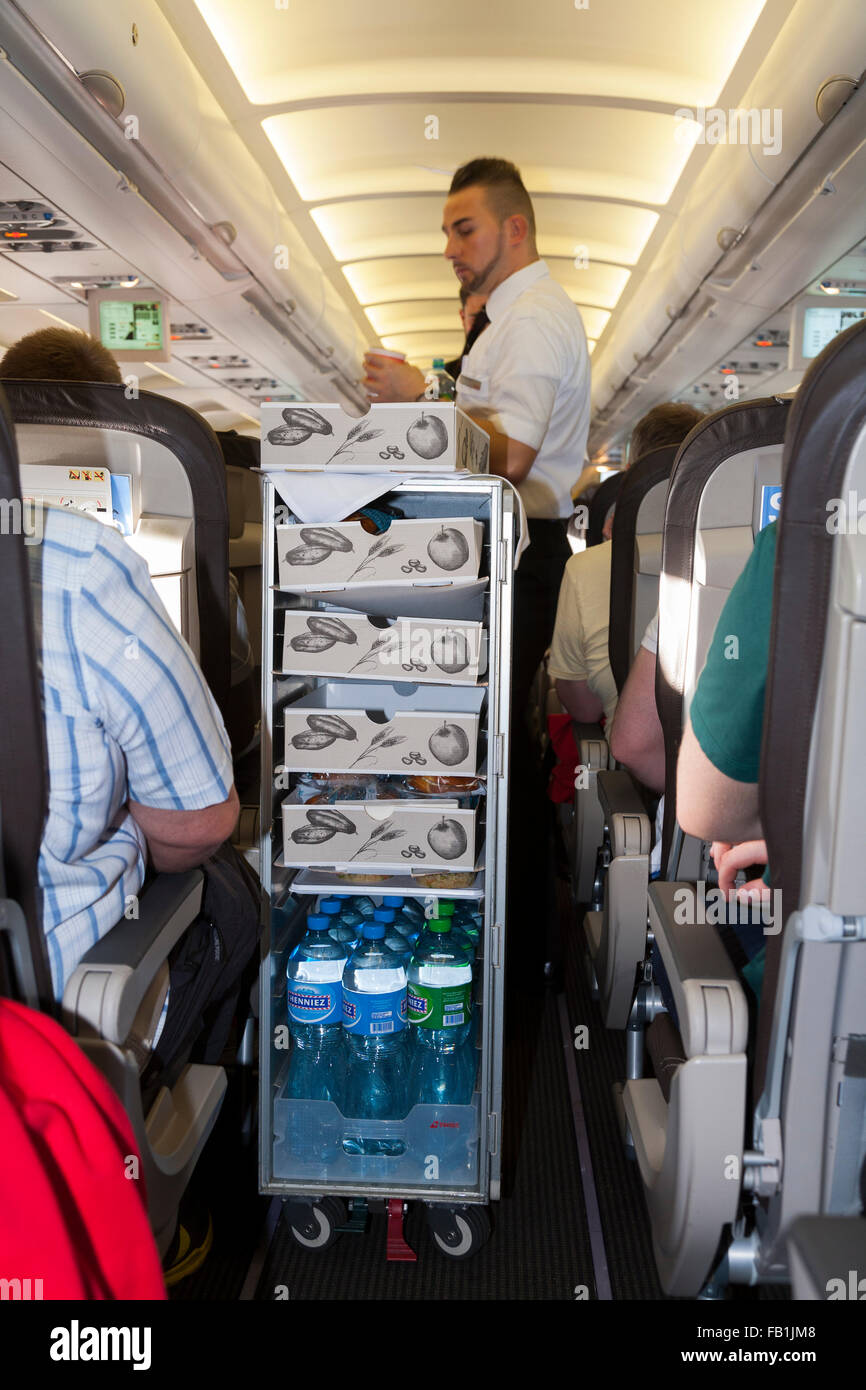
{"x":384,"y":914}
{"x":329,"y":906}
{"x":395,"y":903}
{"x":316,"y":922}
{"x":374,"y":931}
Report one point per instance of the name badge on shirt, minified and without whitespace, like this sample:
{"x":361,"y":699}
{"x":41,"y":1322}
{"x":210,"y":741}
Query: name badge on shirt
{"x":478,"y":386}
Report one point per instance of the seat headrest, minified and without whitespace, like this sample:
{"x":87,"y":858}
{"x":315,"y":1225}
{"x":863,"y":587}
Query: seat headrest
{"x":737,"y":429}
{"x":827,"y":418}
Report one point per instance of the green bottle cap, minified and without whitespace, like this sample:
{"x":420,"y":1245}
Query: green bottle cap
{"x":445,"y":910}
{"x":439,"y":924}
{"x":438,"y":362}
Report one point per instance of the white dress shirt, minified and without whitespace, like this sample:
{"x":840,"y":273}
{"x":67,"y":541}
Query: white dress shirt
{"x":528,"y":373}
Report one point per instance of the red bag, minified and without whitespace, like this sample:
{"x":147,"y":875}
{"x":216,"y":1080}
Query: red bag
{"x":561,"y":730}
{"x":73,"y":1219}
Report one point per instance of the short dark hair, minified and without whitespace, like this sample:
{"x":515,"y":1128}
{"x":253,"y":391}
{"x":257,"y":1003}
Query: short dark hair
{"x":665,"y":424}
{"x":59,"y":354}
{"x":464,"y":295}
{"x":507,"y":193}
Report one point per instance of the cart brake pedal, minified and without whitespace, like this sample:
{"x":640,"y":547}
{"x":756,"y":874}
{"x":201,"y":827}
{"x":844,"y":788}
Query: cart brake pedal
{"x":358,"y":1219}
{"x":396,"y":1247}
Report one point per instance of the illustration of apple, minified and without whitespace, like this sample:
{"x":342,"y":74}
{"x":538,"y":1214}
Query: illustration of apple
{"x":427,"y":437}
{"x":448,"y":549}
{"x":451,"y":653}
{"x":447,"y":839}
{"x":449,"y":745}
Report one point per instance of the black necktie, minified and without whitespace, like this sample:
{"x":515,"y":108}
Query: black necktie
{"x":478,"y":327}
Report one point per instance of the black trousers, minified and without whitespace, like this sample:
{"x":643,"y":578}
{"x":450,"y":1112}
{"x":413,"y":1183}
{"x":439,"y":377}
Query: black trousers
{"x":530,"y":816}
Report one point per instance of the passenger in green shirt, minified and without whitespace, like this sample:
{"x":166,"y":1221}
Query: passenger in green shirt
{"x":720,"y":756}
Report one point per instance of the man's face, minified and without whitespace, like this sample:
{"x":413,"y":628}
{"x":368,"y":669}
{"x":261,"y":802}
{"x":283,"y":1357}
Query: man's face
{"x":469,"y":311}
{"x":475,"y":241}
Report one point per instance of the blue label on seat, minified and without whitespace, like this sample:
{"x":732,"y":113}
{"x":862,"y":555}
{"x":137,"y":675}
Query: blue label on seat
{"x":375,"y":1014}
{"x":315,"y":1003}
{"x":771,"y":501}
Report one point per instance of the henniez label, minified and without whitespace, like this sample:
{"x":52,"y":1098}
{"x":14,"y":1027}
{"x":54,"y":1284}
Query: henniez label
{"x":315,"y":1003}
{"x":375,"y":1014}
{"x":446,"y":1007}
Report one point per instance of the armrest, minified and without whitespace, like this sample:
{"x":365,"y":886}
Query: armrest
{"x":822,"y":1252}
{"x":105,"y":991}
{"x":707,"y":991}
{"x":624,"y":814}
{"x":592,"y":745}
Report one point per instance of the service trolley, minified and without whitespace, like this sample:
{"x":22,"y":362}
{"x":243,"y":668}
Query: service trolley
{"x":449,"y":1155}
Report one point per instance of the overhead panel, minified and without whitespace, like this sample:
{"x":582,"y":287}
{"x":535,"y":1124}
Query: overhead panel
{"x":416,"y":316}
{"x":302,"y":49}
{"x":370,"y":117}
{"x":410,"y":277}
{"x":605,"y":151}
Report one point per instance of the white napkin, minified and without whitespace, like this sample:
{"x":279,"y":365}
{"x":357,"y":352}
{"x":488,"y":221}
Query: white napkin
{"x":316,"y":498}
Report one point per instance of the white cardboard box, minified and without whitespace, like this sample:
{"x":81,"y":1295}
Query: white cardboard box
{"x":400,"y":649}
{"x":386,"y":834}
{"x":419,"y":437}
{"x":377,"y":728}
{"x":419,"y":550}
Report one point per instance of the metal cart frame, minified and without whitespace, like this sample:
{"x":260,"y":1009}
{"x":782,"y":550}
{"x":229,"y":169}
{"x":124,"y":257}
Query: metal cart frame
{"x":492,"y":500}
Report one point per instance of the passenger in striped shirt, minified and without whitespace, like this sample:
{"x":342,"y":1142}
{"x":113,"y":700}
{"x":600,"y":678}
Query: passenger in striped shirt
{"x":139,"y":763}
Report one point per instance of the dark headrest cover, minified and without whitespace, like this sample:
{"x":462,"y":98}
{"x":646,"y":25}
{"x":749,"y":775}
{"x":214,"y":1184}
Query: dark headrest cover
{"x":645,"y":473}
{"x":105,"y":406}
{"x":734,"y":430}
{"x":23,"y":797}
{"x":827,"y":415}
{"x":603,"y":499}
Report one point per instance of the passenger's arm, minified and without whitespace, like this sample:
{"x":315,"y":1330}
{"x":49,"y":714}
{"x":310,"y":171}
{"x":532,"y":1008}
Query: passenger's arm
{"x":636,"y":738}
{"x":710,"y":805}
{"x":582,"y":704}
{"x":180,"y":840}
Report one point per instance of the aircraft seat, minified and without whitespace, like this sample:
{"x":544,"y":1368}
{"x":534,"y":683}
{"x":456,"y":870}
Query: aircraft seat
{"x":714,"y":507}
{"x":115,"y":994}
{"x":609,"y":810}
{"x":809,"y":1124}
{"x":635,"y":564}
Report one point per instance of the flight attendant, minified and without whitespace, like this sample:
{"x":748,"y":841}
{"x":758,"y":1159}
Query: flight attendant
{"x":525,"y":380}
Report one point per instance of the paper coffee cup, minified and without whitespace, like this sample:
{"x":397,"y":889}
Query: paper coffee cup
{"x":386,"y":352}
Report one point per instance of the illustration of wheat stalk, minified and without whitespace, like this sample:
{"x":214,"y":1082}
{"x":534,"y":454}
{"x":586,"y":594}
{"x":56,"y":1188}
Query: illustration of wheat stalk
{"x":380,"y":742}
{"x":369,"y":657}
{"x":354,"y":437}
{"x":380,"y":836}
{"x":379,"y":550}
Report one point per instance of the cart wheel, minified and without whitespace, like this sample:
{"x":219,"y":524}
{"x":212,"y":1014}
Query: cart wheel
{"x":314,"y":1225}
{"x":459,"y":1234}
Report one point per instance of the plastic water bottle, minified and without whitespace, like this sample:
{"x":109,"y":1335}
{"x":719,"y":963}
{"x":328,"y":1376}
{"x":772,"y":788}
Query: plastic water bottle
{"x":440,"y":386}
{"x":374,"y":1024}
{"x":314,"y":975}
{"x":393,"y":940}
{"x":446,"y":910}
{"x":442,"y":1068}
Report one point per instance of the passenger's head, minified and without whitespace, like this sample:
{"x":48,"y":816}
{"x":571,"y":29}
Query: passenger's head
{"x":59,"y":354}
{"x":489,"y":223}
{"x":665,"y":424}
